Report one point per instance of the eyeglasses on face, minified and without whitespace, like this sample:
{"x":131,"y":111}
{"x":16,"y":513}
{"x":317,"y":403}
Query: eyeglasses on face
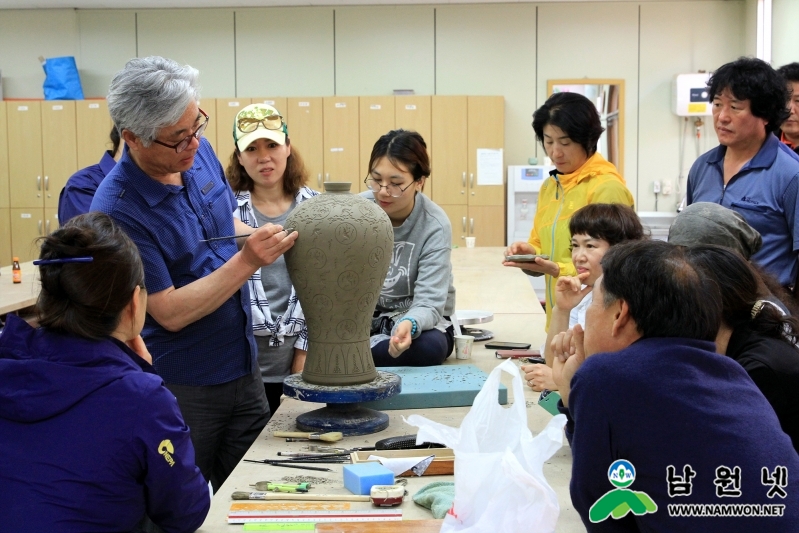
{"x":184,"y":143}
{"x":393,"y":190}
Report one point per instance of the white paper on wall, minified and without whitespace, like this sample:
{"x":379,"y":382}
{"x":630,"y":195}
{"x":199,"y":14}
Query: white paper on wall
{"x":489,"y":166}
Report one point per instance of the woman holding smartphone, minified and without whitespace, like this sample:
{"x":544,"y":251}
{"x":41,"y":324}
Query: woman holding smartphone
{"x":411,"y":325}
{"x":268,"y":176}
{"x":568,"y":126}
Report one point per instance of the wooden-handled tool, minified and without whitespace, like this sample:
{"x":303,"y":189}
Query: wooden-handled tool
{"x":307,"y":496}
{"x":334,"y":436}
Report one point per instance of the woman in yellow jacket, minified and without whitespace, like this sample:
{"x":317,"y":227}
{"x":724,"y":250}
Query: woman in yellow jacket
{"x":569,"y":127}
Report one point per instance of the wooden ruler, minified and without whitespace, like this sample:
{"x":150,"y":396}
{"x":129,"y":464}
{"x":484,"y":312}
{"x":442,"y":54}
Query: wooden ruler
{"x":297,"y":515}
{"x":289,"y":506}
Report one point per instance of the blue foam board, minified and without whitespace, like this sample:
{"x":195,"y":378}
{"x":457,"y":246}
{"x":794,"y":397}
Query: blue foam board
{"x":436,"y":386}
{"x":359,"y":478}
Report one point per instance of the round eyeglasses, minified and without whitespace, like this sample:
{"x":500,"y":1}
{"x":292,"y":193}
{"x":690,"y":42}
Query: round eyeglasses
{"x":184,"y":143}
{"x":393,"y":190}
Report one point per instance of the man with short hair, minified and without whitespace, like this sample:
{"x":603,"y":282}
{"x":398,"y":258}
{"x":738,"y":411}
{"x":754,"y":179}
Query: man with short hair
{"x":789,"y":131}
{"x":169,"y":193}
{"x":751,"y":172}
{"x":643,"y":386}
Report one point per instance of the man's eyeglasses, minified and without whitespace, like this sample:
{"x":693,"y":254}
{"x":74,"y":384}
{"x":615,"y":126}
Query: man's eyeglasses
{"x":393,"y":190}
{"x":184,"y":143}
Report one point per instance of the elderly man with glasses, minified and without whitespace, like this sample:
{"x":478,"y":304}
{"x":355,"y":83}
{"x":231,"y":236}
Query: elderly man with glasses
{"x":169,"y":193}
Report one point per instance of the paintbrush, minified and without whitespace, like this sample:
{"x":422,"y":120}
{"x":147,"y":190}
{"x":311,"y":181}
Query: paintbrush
{"x":333,"y":436}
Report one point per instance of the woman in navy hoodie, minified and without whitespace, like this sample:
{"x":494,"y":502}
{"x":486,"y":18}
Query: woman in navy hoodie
{"x":92,"y":440}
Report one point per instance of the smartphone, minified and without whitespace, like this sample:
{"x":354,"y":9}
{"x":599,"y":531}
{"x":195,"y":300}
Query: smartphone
{"x":517,"y":354}
{"x":499,"y":345}
{"x":524,"y":258}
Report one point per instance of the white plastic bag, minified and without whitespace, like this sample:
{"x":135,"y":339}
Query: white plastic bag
{"x":499,"y":482}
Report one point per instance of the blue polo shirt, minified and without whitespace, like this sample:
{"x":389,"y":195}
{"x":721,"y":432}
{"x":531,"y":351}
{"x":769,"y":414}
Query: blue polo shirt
{"x":765,"y":193}
{"x":76,"y":196}
{"x":167,"y":222}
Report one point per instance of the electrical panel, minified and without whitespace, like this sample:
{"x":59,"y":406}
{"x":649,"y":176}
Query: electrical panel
{"x":690,"y":95}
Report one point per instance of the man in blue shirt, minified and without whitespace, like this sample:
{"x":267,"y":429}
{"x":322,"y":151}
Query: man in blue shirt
{"x":169,"y":193}
{"x":76,"y":196}
{"x":751,"y":171}
{"x":702,"y":448}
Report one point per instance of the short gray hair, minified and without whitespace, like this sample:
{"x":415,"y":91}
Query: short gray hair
{"x":151,"y":93}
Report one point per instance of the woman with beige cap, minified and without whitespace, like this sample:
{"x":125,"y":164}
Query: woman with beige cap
{"x":268,"y":176}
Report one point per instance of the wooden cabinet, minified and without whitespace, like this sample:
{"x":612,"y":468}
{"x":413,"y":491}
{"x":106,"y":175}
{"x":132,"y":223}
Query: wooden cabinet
{"x":226,"y":111}
{"x":5,"y":237}
{"x":209,"y":106}
{"x":25,"y":154}
{"x":460,"y":126}
{"x":42,"y":143}
{"x":42,"y":155}
{"x":93,"y":131}
{"x":59,"y":149}
{"x":4,"y":187}
{"x":5,"y":220}
{"x":305,"y":119}
{"x":341,"y":140}
{"x":376,"y":119}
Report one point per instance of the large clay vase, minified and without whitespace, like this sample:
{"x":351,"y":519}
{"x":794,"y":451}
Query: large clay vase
{"x":338,"y":265}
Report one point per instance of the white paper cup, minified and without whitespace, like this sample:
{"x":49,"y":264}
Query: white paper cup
{"x":470,"y":242}
{"x":463,"y":346}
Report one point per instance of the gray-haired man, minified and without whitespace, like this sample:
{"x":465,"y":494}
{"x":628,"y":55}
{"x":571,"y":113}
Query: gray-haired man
{"x":168,"y":192}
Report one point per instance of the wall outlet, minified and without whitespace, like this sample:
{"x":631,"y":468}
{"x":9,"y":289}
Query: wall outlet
{"x":667,"y":190}
{"x":656,"y":186}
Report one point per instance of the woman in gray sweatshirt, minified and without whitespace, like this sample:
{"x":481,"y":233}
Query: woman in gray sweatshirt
{"x":411,"y":325}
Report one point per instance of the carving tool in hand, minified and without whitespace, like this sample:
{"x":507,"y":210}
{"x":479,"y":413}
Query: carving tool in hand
{"x":287,"y":230}
{"x":288,"y":465}
{"x":333,"y":436}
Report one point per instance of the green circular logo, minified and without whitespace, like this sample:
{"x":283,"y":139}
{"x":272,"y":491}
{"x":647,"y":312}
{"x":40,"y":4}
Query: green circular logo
{"x":621,"y":473}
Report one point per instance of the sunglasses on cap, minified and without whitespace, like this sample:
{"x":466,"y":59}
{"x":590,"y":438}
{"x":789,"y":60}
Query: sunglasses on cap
{"x":248,"y":121}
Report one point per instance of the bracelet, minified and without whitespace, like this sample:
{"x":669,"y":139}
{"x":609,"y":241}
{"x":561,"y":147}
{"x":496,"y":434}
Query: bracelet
{"x":414,"y":325}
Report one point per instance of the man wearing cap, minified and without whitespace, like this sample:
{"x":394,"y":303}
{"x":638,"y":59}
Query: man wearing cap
{"x":789,"y":131}
{"x":169,"y":194}
{"x":751,"y":171}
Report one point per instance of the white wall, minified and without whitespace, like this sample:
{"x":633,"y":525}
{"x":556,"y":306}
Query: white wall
{"x":667,"y":50}
{"x":785,"y":32}
{"x":505,"y":49}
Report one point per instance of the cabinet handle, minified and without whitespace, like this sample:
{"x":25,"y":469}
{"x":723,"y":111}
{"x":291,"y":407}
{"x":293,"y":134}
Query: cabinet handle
{"x":47,"y":183}
{"x":327,"y":176}
{"x":319,"y":179}
{"x":38,"y":183}
{"x":40,"y":227}
{"x":464,"y":224}
{"x":471,"y":225}
{"x":471,"y":180}
{"x":47,"y":225}
{"x":463,"y":179}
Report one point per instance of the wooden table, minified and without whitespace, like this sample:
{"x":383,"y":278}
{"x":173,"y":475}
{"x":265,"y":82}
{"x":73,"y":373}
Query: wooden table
{"x":14,"y":296}
{"x":481,"y":283}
